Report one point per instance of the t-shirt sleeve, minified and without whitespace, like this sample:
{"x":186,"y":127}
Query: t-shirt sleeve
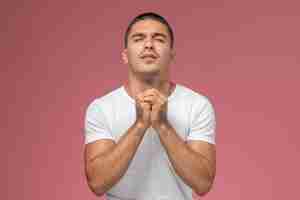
{"x":96,"y":126}
{"x":203,"y":122}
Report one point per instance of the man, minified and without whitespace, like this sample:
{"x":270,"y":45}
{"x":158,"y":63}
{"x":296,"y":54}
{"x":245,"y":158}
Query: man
{"x":150,"y":139}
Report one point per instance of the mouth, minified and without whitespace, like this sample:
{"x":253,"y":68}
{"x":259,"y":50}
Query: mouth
{"x":149,"y":59}
{"x":149,"y":56}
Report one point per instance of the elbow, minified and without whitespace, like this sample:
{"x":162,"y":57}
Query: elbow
{"x":96,"y":188}
{"x":95,"y":183}
{"x":203,"y":187}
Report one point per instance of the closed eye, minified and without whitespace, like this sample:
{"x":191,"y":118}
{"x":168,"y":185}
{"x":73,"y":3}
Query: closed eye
{"x":137,"y":39}
{"x":160,"y":37}
{"x":160,"y":40}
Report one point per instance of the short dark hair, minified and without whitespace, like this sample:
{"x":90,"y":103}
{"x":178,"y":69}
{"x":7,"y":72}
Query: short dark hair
{"x":153,"y":16}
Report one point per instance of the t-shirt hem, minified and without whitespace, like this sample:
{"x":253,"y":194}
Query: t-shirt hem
{"x":93,"y":139}
{"x":202,"y":139}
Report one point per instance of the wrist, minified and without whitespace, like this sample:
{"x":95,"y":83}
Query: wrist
{"x":141,"y":126}
{"x":162,"y":127}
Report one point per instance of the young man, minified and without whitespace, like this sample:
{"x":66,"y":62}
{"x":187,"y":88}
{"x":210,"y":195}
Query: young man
{"x":150,"y":139}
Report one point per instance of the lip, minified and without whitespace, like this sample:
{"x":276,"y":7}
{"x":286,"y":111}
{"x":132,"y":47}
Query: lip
{"x":149,"y":56}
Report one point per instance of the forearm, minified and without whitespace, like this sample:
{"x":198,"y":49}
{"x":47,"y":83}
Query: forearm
{"x":192,"y":167}
{"x":105,"y":170}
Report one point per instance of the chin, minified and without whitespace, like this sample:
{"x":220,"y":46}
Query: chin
{"x":150,"y":70}
{"x":149,"y":73}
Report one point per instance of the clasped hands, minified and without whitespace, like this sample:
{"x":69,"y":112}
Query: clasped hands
{"x":151,"y":108}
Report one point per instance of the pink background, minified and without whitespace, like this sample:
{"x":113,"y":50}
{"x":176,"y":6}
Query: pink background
{"x":57,"y":56}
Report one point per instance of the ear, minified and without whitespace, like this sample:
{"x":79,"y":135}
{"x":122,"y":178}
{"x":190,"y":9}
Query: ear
{"x":125,"y":56}
{"x":173,"y":54}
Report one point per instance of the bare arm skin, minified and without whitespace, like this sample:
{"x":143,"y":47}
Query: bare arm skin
{"x":193,"y":161}
{"x":106,"y":161}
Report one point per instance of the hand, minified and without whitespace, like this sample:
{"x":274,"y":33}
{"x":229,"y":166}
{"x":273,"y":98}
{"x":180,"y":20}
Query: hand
{"x":143,"y":111}
{"x":159,"y":104}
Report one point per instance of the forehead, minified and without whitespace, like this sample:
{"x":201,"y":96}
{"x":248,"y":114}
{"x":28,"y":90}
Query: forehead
{"x":149,"y":26}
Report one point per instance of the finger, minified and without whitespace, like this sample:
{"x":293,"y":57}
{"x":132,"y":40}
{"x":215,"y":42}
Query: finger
{"x":163,"y":99}
{"x":140,"y":99}
{"x":160,"y":99}
{"x":161,"y":95}
{"x":155,"y":92}
{"x":153,"y":96}
{"x":145,"y":105}
{"x":156,"y":100}
{"x":147,"y":96}
{"x":150,"y":92}
{"x":149,"y":99}
{"x":139,"y":96}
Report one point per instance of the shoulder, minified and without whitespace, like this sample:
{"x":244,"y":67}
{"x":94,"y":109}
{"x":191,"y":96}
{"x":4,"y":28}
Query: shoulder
{"x":192,"y":96}
{"x":105,"y":101}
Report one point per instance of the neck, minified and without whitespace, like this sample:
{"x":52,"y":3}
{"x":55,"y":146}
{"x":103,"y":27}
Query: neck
{"x":138,"y":84}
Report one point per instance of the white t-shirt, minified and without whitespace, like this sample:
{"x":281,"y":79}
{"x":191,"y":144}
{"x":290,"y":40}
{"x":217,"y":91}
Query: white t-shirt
{"x":150,"y":175}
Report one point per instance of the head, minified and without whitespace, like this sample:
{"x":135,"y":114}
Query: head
{"x":149,"y":44}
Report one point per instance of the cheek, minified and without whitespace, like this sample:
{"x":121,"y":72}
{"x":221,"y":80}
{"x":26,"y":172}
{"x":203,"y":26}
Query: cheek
{"x":134,"y":51}
{"x":166,"y":54}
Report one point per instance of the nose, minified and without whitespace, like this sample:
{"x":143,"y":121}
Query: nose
{"x":149,"y":44}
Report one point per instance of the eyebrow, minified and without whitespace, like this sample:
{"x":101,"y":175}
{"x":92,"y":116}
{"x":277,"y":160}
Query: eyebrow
{"x":160,"y":35}
{"x":137,"y":35}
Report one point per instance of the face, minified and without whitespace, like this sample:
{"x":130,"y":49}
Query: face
{"x":149,"y":48}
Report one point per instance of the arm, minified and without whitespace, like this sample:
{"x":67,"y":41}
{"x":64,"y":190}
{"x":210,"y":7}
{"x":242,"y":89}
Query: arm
{"x":194,"y":161}
{"x":106,"y":161}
